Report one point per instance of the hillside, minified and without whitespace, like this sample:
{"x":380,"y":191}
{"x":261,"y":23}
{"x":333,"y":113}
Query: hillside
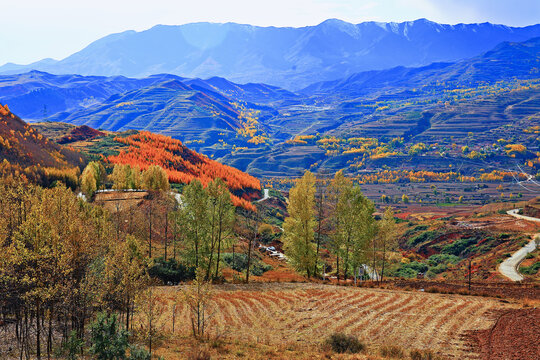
{"x":195,"y":114}
{"x":506,"y":61}
{"x":184,"y":165}
{"x":143,"y":148}
{"x":38,"y":95}
{"x":24,"y":150}
{"x":287,"y":57}
{"x":438,"y":118}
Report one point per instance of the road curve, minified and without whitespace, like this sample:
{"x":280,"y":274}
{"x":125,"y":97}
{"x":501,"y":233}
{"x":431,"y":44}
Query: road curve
{"x":266,"y":195}
{"x":509,"y":266}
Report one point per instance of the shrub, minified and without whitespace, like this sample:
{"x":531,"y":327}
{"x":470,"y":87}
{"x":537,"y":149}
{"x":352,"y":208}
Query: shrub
{"x":423,"y":237}
{"x":415,"y":229}
{"x":171,"y":271}
{"x":530,"y":270}
{"x":342,"y":343}
{"x":108,"y":340}
{"x":73,"y":346}
{"x":259,"y":268}
{"x":437,"y":259}
{"x":438,"y":269}
{"x":238,"y":262}
{"x":138,"y":353}
{"x":422,"y":355}
{"x":392,"y":351}
{"x":459,"y":247}
{"x":266,"y":233}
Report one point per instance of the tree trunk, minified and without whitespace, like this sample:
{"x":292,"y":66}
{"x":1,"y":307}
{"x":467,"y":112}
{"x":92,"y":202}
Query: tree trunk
{"x":383,"y":262}
{"x":150,"y":230}
{"x":166,"y":232}
{"x":38,"y":331}
{"x":337,"y":268}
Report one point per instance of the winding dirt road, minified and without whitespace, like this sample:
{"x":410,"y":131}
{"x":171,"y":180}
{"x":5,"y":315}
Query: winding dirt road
{"x":509,"y":266}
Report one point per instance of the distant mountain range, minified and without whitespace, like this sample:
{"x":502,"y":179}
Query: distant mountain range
{"x":291,"y":58}
{"x":507,"y":60}
{"x":248,"y":126}
{"x":38,"y":95}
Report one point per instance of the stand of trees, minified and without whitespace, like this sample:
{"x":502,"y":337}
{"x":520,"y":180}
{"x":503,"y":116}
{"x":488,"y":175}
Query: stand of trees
{"x":338,"y":213}
{"x":66,"y":260}
{"x":61,"y":265}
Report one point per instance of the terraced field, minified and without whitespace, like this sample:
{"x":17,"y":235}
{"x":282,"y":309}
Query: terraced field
{"x":305,"y":314}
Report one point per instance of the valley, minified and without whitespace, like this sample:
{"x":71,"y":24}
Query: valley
{"x":229,"y":191}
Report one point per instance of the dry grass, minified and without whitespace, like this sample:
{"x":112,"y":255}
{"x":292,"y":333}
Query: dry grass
{"x":302,"y":316}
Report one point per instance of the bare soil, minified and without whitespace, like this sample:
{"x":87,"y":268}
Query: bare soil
{"x":514,"y":336}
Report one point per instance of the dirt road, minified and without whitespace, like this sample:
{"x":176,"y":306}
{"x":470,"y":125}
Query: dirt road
{"x":509,"y":266}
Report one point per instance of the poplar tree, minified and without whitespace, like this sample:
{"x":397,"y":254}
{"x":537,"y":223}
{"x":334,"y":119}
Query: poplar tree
{"x":221,"y":216}
{"x":387,"y":236}
{"x":194,"y":218}
{"x":299,"y":226}
{"x":354,"y":224}
{"x":155,"y":178}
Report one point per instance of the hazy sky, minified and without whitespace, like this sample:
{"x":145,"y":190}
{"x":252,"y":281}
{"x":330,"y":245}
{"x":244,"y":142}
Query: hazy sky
{"x":34,"y":29}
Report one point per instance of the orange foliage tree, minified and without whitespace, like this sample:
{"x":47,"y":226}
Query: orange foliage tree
{"x":184,"y":165}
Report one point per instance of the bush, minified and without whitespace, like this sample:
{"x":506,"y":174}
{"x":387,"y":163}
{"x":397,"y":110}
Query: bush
{"x":530,"y":270}
{"x":423,"y":237}
{"x":437,"y":259}
{"x":108,"y":340}
{"x":238,"y":262}
{"x":392,"y":351}
{"x":266,"y":233}
{"x":459,"y":247}
{"x":422,"y":355}
{"x":73,"y":346}
{"x":259,"y":268}
{"x":171,"y":271}
{"x":415,"y":229}
{"x":438,"y":269}
{"x":342,"y":343}
{"x":409,"y":270}
{"x":138,"y":353}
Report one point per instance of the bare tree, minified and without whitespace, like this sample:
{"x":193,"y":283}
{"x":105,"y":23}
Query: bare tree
{"x":197,"y":298}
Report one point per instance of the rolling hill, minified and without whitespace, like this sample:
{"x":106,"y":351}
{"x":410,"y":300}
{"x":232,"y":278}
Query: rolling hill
{"x":287,"y":57}
{"x":38,"y":95}
{"x":25,"y":151}
{"x":506,"y":61}
{"x":259,"y":128}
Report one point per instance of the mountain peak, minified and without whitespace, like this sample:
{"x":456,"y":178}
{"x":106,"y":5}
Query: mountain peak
{"x":286,"y":57}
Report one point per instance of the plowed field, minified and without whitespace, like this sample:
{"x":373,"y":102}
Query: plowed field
{"x":305,"y":314}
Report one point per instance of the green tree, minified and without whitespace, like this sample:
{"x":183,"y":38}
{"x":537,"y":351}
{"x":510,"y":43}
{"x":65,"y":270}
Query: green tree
{"x":109,"y":341}
{"x":354,"y":224}
{"x":194,"y":220}
{"x":299,"y":226}
{"x":221,"y":216}
{"x":93,"y":177}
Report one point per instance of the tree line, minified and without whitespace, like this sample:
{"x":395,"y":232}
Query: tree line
{"x":335,"y":214}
